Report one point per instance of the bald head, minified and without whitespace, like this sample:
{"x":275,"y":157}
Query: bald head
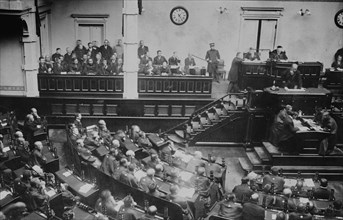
{"x":254,"y":197}
{"x":197,"y":154}
{"x":201,"y":171}
{"x":115,"y":143}
{"x":152,"y":210}
{"x":150,"y":172}
{"x":38,"y":145}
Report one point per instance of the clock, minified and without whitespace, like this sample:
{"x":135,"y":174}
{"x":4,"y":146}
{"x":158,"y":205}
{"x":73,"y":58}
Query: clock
{"x":339,"y":18}
{"x":179,"y":15}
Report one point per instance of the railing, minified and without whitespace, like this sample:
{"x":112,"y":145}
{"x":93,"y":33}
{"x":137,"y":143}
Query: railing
{"x":78,"y":85}
{"x":261,"y":75}
{"x":175,"y":86}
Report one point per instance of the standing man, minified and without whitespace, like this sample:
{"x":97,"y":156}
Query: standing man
{"x":212,"y":57}
{"x":142,"y":49}
{"x":106,"y":50}
{"x":329,"y":124}
{"x":291,"y":78}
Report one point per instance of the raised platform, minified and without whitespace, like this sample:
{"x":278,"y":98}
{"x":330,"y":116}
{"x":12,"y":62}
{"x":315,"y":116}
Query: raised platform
{"x":267,"y":155}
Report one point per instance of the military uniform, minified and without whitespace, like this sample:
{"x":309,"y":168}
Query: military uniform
{"x":129,"y":179}
{"x":212,"y":56}
{"x":278,"y":182}
{"x":242,"y":192}
{"x":145,"y":182}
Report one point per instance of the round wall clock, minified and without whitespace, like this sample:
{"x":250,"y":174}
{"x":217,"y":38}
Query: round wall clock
{"x":179,"y":15}
{"x":339,"y":18}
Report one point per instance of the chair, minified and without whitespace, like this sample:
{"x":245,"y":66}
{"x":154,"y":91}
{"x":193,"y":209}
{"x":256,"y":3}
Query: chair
{"x":221,"y":71}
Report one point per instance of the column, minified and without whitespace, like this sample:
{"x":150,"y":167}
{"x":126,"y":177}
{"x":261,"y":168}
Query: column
{"x":130,"y":12}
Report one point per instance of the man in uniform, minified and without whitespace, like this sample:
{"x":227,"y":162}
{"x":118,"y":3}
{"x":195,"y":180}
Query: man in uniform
{"x":110,"y":164}
{"x":128,"y":177}
{"x":273,"y":178}
{"x":242,"y":191}
{"x":199,"y":181}
{"x":212,"y":57}
{"x":37,"y":157}
{"x":229,"y":208}
{"x":300,"y":213}
{"x":322,"y":192}
{"x":251,"y":209}
{"x":147,"y":180}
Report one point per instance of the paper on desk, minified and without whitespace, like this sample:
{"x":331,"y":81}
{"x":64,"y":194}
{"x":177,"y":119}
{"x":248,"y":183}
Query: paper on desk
{"x":184,"y":157}
{"x":139,"y":174}
{"x":309,"y":183}
{"x":67,"y":173}
{"x":4,"y":193}
{"x":290,"y":182}
{"x":186,"y":192}
{"x":119,"y":204}
{"x":295,"y":90}
{"x":5,"y":149}
{"x":85,"y":188}
{"x":303,"y":200}
{"x":50,"y":193}
{"x":185,"y":176}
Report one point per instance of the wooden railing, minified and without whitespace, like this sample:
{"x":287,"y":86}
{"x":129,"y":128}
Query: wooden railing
{"x":261,"y":75}
{"x":78,"y":85}
{"x":174,"y":86}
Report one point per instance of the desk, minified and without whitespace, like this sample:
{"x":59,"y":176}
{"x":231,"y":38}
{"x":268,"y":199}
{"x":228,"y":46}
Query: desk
{"x":333,"y":79}
{"x":88,"y":196}
{"x":300,"y":100}
{"x":5,"y":200}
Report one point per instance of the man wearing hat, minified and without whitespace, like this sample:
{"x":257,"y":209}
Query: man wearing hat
{"x":273,"y":178}
{"x":251,"y":209}
{"x":242,"y":191}
{"x":278,"y":54}
{"x":212,"y":57}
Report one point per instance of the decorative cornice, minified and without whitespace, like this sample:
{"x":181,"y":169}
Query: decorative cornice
{"x":12,"y":88}
{"x":90,"y":15}
{"x":262,"y":9}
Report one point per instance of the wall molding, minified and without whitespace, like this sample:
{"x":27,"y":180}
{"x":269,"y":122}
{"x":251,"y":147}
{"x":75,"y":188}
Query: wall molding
{"x":12,"y":88}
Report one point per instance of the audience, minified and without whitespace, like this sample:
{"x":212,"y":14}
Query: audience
{"x":106,"y":204}
{"x":300,"y":213}
{"x":322,"y":192}
{"x":274,"y":179}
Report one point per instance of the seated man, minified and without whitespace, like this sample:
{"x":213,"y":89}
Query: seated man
{"x":300,"y":213}
{"x":75,"y":67}
{"x":128,"y":177}
{"x":283,"y":131}
{"x":199,"y":181}
{"x":338,"y":63}
{"x":29,"y":128}
{"x":130,"y":156}
{"x":127,"y":210}
{"x":78,"y":123}
{"x":93,"y":140}
{"x":273,"y":178}
{"x":174,"y":177}
{"x":291,"y":78}
{"x":110,"y":163}
{"x":329,"y":124}
{"x":86,"y":155}
{"x":251,"y":55}
{"x":159,"y":59}
{"x":337,"y":208}
{"x":43,"y":68}
{"x":174,"y":197}
{"x":189,"y":63}
{"x":159,"y":171}
{"x":214,"y":168}
{"x":144,"y":62}
{"x":251,"y":209}
{"x":123,"y":164}
{"x":147,"y":180}
{"x":37,"y":157}
{"x":174,"y":61}
{"x":166,"y":151}
{"x":278,"y":54}
{"x":298,"y":190}
{"x":164,"y":70}
{"x":90,"y":68}
{"x":58,"y":67}
{"x":106,"y":204}
{"x":195,"y":162}
{"x":322,"y":192}
{"x":152,"y":190}
{"x":104,"y":133}
{"x":243,"y":191}
{"x":229,"y":208}
{"x":152,"y":162}
{"x":23,"y":149}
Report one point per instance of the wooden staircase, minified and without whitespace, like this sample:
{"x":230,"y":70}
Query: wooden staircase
{"x":260,"y":158}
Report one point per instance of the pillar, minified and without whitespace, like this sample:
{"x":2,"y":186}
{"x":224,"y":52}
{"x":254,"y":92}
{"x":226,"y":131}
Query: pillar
{"x":130,"y":16}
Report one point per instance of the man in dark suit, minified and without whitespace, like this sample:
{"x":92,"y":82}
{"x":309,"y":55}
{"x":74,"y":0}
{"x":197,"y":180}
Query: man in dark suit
{"x":199,"y":181}
{"x":212,"y":57}
{"x":189,"y":62}
{"x":300,"y":213}
{"x":123,"y":164}
{"x":278,"y":54}
{"x":242,"y":191}
{"x":273,"y":178}
{"x":291,"y":78}
{"x":68,"y":57}
{"x":128,"y":177}
{"x":251,"y":210}
{"x":127,"y":212}
{"x":42,"y":68}
{"x":37,"y":155}
{"x":145,"y":182}
{"x":159,"y":59}
{"x":79,"y":50}
{"x":56,"y":55}
{"x":142,"y":49}
{"x":234,"y":73}
{"x":323,"y":192}
{"x":110,"y":164}
{"x":106,"y":50}
{"x":329,"y":124}
{"x":251,"y":55}
{"x":229,"y":209}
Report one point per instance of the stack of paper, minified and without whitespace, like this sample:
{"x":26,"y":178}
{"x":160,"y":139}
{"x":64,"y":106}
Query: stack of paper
{"x":186,"y":192}
{"x":309,"y":183}
{"x":139,"y":174}
{"x":85,"y":188}
{"x":185,"y":176}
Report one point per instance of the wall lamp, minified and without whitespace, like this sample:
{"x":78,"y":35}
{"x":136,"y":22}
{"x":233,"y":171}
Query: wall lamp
{"x":222,"y":10}
{"x":304,"y":12}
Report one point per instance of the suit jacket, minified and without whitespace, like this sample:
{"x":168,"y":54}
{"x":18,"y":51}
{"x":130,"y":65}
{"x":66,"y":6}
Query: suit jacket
{"x":283,"y":128}
{"x":75,"y":68}
{"x":290,"y":80}
{"x":58,"y":68}
{"x":129,"y":179}
{"x":234,"y":70}
{"x":106,"y":52}
{"x":189,"y":62}
{"x":56,"y":56}
{"x":141,"y":51}
{"x":68,"y":58}
{"x":174,"y":61}
{"x":145,"y":182}
{"x":275,"y":56}
{"x":38,"y":158}
{"x":109,"y":165}
{"x":242,"y":191}
{"x":251,"y":57}
{"x":42,"y":69}
{"x":159,"y":60}
{"x":322,"y":193}
{"x":230,"y":210}
{"x":79,"y":52}
{"x":252,"y":211}
{"x":278,"y":181}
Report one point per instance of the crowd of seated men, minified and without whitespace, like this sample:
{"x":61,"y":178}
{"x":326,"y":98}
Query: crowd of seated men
{"x":256,"y":193}
{"x":24,"y":182}
{"x":91,"y":60}
{"x":121,"y":163}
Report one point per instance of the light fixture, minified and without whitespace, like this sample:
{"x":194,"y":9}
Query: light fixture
{"x":304,"y":12}
{"x":222,"y":10}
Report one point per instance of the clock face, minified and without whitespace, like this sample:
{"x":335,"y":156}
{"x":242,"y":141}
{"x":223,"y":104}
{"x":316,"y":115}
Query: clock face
{"x":339,"y":19}
{"x":179,"y":15}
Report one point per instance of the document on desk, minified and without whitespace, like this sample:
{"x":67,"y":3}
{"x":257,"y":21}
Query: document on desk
{"x":309,"y":183}
{"x":50,"y":193}
{"x":290,"y":182}
{"x":185,"y":176}
{"x":67,"y":173}
{"x":184,"y":157}
{"x":85,"y":188}
{"x":186,"y":192}
{"x":295,"y":90}
{"x":4,"y":193}
{"x":303,"y":200}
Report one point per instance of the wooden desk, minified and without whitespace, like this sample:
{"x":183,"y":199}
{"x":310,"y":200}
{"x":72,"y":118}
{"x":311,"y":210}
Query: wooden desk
{"x":305,"y":100}
{"x":75,"y":183}
{"x":333,"y":79}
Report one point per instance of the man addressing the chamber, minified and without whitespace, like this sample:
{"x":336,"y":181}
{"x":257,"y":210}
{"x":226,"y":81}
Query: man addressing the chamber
{"x":291,"y":78}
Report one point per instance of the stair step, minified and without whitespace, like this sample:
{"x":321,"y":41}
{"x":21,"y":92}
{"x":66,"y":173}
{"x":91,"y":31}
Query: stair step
{"x":328,"y":169}
{"x":262,"y":154}
{"x":254,"y":159}
{"x":245,"y":164}
{"x":307,"y":160}
{"x":271,"y":148}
